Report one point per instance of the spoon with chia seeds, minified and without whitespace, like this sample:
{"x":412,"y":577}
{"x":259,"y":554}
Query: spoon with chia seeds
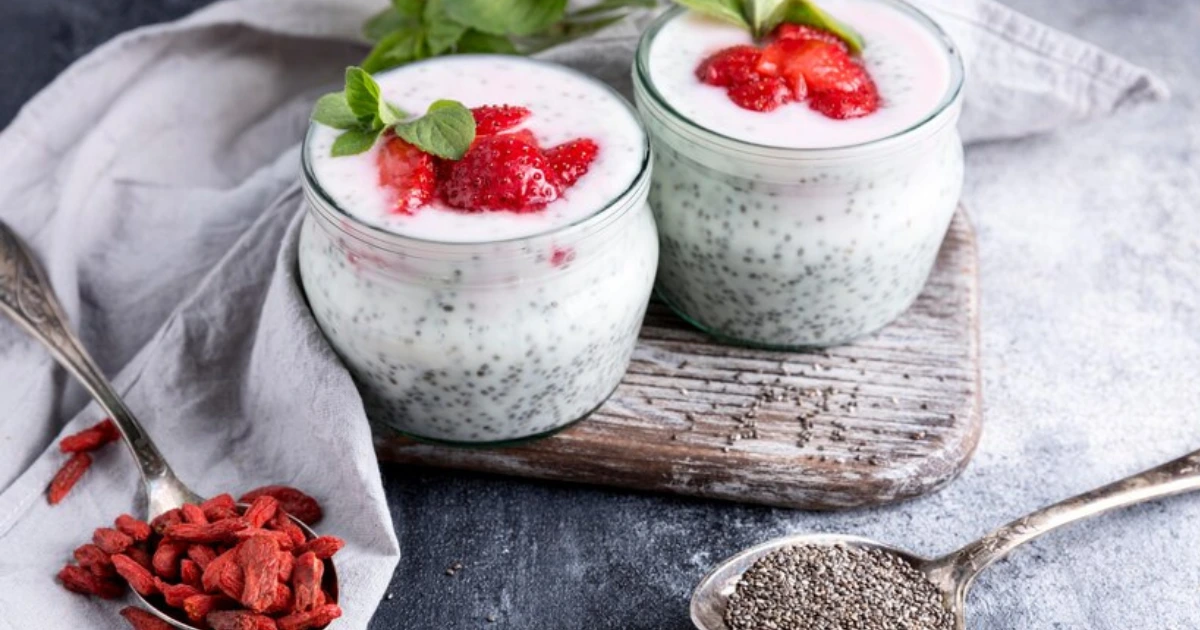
{"x":27,"y":297}
{"x":819,"y":581}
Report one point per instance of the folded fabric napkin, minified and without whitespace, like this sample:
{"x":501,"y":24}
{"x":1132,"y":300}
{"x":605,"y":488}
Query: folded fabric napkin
{"x":157,"y":181}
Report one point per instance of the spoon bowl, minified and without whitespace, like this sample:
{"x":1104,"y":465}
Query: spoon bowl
{"x":953,"y":574}
{"x":27,"y":297}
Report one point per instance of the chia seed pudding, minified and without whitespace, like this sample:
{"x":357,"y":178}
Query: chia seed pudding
{"x":486,"y":327}
{"x":789,"y":229}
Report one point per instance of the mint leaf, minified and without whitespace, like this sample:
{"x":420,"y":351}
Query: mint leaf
{"x":724,"y":10}
{"x":355,"y":141}
{"x":763,"y":15}
{"x":362,"y":93}
{"x":808,"y":13}
{"x":390,"y":114}
{"x":408,"y":8}
{"x":386,"y":21}
{"x":474,"y":41}
{"x":441,"y":32}
{"x":332,"y":110}
{"x":446,"y":130}
{"x":506,"y":17}
{"x":397,"y":48}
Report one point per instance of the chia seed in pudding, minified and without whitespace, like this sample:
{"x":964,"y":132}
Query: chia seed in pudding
{"x":485,"y":327}
{"x":789,"y":229}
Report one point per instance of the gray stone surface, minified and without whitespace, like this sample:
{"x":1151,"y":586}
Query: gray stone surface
{"x":1090,"y":243}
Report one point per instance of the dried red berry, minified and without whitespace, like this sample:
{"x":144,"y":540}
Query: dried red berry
{"x":320,"y":617}
{"x":166,"y":559}
{"x":166,"y":519}
{"x":232,"y":581}
{"x":211,"y":579}
{"x":175,"y":594}
{"x":324,"y":546}
{"x":91,"y":438}
{"x":136,"y":575}
{"x":259,"y":559}
{"x":291,"y":500}
{"x":287,"y":562}
{"x":193,"y":514}
{"x":136,"y":529}
{"x":283,"y":600}
{"x":283,"y":540}
{"x":141,"y":620}
{"x":94,"y":559}
{"x":80,"y":580}
{"x":239,"y":620}
{"x":191,"y":573}
{"x":407,"y":172}
{"x":140,"y":556}
{"x":220,"y":531}
{"x":306,"y":581}
{"x":111,"y":540}
{"x":219,"y":507}
{"x":571,"y":160}
{"x":67,"y":477}
{"x":262,"y":510}
{"x":197,"y":607}
{"x":284,"y":524}
{"x":493,"y":119}
{"x":201,"y":554}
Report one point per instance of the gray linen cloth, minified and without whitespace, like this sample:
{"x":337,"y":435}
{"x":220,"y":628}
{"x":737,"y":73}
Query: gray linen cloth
{"x":156,"y":179}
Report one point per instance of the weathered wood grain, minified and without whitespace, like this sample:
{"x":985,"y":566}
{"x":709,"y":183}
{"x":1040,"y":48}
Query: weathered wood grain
{"x":890,"y":417}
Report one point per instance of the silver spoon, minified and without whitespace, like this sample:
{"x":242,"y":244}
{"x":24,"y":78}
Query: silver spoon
{"x":27,"y":297}
{"x":954,"y":574}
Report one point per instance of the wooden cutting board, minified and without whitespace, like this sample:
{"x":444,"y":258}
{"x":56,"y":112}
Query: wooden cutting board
{"x":893,"y":416}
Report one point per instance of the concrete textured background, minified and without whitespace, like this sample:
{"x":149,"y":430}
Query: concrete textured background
{"x":1090,"y":242}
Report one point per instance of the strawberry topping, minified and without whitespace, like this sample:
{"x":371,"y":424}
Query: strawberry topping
{"x":407,"y":172}
{"x":571,"y":160}
{"x":801,"y":63}
{"x":493,"y":119}
{"x":501,"y":172}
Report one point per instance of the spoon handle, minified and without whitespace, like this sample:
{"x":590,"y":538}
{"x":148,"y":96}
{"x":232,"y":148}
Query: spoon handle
{"x":27,"y":297}
{"x":1176,"y":477}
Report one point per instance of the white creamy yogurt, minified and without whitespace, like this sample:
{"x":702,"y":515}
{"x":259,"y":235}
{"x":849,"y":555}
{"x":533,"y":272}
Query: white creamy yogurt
{"x":908,"y":62}
{"x":565,"y":106}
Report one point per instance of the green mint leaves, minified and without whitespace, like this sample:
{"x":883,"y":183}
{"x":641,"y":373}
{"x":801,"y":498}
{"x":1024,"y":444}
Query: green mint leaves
{"x":760,"y":17}
{"x":411,"y":30}
{"x":446,"y":130}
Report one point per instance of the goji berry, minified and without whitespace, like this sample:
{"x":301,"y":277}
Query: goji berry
{"x":201,"y":554}
{"x":166,"y":559}
{"x":136,"y":575}
{"x":283,"y":540}
{"x":287,"y":562}
{"x":111,"y":540}
{"x":212,"y":573}
{"x":239,"y":620}
{"x":166,"y":519}
{"x":94,"y":559}
{"x":190,"y":573}
{"x":193,"y":514}
{"x":140,"y":556}
{"x":262,"y":510}
{"x":283,"y":600}
{"x":232,"y":581}
{"x":219,"y":507}
{"x":132,"y":527}
{"x":324,"y":546}
{"x":67,"y":477}
{"x":258,"y":558}
{"x":141,"y":620}
{"x":220,"y":531}
{"x":291,"y":500}
{"x":283,"y":523}
{"x":80,"y":580}
{"x":197,"y":607}
{"x":91,"y":438}
{"x":175,"y":594}
{"x":318,"y":618}
{"x":306,"y":581}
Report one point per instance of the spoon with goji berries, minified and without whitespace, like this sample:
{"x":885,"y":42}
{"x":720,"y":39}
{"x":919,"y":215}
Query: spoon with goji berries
{"x":246,"y":555}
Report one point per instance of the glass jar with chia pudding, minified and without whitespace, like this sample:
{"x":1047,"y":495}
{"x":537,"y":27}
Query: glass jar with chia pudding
{"x":792,"y":214}
{"x":484,"y":315}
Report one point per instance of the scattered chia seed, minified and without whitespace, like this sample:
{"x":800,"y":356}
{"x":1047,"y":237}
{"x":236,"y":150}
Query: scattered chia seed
{"x":818,"y":587}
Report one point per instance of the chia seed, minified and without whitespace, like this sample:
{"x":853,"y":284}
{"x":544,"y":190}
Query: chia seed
{"x":836,"y":587}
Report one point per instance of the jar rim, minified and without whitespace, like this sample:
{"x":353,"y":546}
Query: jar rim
{"x":952,"y":96}
{"x":597,"y":218}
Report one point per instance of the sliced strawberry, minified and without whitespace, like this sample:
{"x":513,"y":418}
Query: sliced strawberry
{"x":407,"y":172}
{"x":502,"y":172}
{"x":781,"y":59}
{"x":571,"y":160}
{"x":730,"y":66}
{"x":803,"y":32}
{"x":843,"y":105}
{"x":762,"y":95}
{"x":493,"y":119}
{"x":838,"y":85}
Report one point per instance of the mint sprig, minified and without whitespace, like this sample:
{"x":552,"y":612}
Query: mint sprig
{"x":761,"y":17}
{"x":411,"y":30}
{"x":446,"y":130}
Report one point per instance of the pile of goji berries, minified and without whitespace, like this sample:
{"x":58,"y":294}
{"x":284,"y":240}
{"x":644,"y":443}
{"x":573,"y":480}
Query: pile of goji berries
{"x":79,"y":446}
{"x":215,"y":566}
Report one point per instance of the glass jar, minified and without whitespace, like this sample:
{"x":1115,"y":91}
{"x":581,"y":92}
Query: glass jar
{"x":790,"y":248}
{"x":482,"y":343}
